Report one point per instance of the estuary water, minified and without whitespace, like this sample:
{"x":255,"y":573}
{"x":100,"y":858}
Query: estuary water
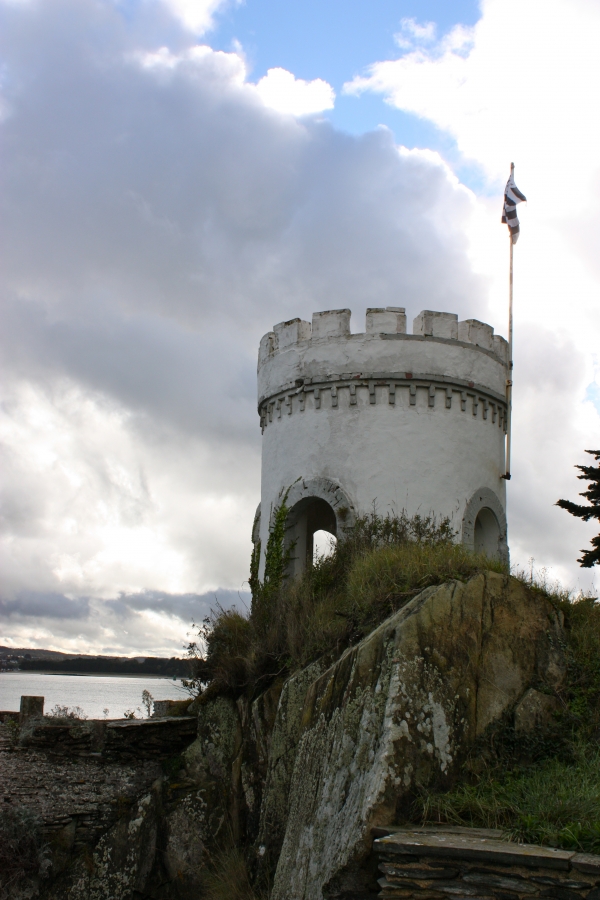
{"x":93,"y":693}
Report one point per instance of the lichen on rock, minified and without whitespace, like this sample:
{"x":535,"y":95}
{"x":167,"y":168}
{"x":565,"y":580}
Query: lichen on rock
{"x":400,"y":710}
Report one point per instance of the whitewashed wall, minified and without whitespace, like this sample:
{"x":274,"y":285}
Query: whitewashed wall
{"x":408,"y":422}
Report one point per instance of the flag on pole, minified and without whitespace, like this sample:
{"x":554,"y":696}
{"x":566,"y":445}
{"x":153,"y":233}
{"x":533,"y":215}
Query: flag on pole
{"x":512,"y":196}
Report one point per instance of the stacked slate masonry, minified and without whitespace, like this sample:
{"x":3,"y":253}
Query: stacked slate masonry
{"x":475,"y":863}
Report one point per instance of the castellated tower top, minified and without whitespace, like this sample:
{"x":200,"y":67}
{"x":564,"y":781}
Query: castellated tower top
{"x":410,"y":422}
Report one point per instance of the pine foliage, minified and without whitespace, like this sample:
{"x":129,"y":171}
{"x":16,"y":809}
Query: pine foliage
{"x":591,"y":474}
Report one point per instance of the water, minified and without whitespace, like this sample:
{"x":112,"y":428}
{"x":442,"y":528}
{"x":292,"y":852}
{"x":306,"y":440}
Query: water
{"x":93,"y":693}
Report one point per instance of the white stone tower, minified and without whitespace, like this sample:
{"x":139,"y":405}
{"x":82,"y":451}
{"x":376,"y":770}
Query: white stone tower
{"x":412,"y":422}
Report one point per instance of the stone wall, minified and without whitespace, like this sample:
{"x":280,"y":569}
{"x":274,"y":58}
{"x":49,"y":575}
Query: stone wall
{"x":99,"y":790}
{"x":474,"y":863}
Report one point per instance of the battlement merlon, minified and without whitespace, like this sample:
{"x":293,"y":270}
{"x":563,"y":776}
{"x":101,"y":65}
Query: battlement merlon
{"x":296,"y":351}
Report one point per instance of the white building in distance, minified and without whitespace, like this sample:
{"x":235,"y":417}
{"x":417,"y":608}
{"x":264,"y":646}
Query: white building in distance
{"x":412,"y":422}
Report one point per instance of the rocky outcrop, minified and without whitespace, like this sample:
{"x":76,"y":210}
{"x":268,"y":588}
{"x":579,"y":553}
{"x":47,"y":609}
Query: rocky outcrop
{"x":301,"y":775}
{"x":535,"y":711}
{"x":401,"y":709}
{"x":284,"y":741}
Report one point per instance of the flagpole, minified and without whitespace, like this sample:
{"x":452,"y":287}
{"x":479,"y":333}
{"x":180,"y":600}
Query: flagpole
{"x":509,"y":382}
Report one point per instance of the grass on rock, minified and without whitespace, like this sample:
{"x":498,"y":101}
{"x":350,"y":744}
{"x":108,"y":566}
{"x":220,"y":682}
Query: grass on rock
{"x":379,"y":567}
{"x":542,"y":789}
{"x":539,"y":788}
{"x":556,"y":803}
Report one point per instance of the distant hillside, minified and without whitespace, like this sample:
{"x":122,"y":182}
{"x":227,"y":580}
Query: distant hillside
{"x":33,"y":653}
{"x":34,"y":660}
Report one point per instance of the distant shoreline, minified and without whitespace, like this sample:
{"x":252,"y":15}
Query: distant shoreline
{"x":91,"y":674}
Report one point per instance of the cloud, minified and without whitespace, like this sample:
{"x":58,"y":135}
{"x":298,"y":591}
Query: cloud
{"x":157,"y":219}
{"x":498,"y":91}
{"x":40,"y":605}
{"x":411,"y":33}
{"x":195,"y":15}
{"x":155,"y":623}
{"x":281,"y":91}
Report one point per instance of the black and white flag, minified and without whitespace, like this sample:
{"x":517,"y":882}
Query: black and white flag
{"x":512,"y":196}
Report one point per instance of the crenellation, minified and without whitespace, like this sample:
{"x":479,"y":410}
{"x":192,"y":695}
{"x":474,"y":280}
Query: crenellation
{"x":291,"y":332}
{"x":500,"y":348}
{"x":381,"y":323}
{"x":388,"y":320}
{"x":472,"y":331}
{"x":267,"y":347}
{"x":436,"y":324}
{"x":331,"y":323}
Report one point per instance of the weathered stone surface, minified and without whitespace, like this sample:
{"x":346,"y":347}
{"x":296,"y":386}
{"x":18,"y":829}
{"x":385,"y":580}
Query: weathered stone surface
{"x":122,"y":860}
{"x":31,"y":706}
{"x":184,"y":853}
{"x":210,"y":763}
{"x":122,"y":739}
{"x":282,"y":754}
{"x":162,"y":708}
{"x":257,"y":722}
{"x":76,"y":799}
{"x":149,"y":738}
{"x":481,"y":867}
{"x":587,"y":862}
{"x":535,"y":711}
{"x":403,"y":706}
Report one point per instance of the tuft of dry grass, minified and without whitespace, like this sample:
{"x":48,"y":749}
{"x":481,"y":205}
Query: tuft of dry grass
{"x":379,"y":567}
{"x":227,"y":878}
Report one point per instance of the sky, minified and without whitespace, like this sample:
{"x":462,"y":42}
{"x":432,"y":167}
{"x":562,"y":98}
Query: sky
{"x":179,"y":175}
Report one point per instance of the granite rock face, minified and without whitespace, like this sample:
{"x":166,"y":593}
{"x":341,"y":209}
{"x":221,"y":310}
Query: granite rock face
{"x":299,"y":775}
{"x":535,"y":711}
{"x":283,"y":745}
{"x":401,"y":709}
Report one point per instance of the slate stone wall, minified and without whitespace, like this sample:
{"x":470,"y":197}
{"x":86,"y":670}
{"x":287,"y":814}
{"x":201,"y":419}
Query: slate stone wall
{"x":475,"y":863}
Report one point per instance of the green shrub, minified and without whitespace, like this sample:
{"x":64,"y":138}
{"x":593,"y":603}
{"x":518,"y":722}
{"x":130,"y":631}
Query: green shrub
{"x":66,"y":713}
{"x":378,"y":567}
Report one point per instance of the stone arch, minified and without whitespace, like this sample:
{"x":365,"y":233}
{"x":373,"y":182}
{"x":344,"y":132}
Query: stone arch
{"x":484,"y":525}
{"x":315,"y":504}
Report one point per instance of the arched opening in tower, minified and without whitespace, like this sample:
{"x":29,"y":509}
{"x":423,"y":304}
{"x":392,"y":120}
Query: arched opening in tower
{"x":487,"y":533}
{"x":309,"y":517}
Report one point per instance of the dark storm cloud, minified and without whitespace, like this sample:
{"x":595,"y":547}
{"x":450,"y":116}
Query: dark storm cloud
{"x":44,"y":605}
{"x":156,"y":220}
{"x":188,"y":607}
